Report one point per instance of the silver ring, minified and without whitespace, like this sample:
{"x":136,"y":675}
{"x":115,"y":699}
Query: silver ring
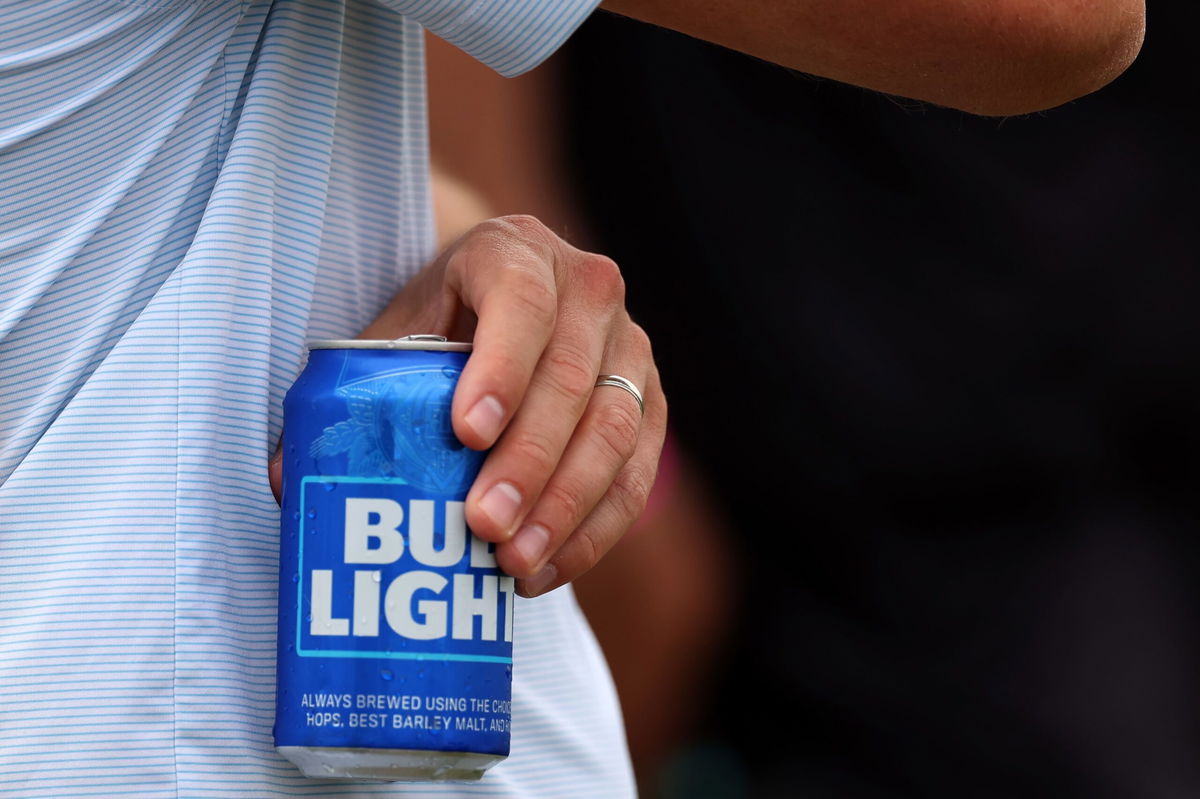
{"x":621,"y":382}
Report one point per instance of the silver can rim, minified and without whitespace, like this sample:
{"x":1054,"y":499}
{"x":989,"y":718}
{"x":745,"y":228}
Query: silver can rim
{"x":428,"y":343}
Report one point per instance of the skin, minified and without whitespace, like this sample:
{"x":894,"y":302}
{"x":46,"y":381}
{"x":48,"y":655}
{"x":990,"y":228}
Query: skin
{"x":571,"y":467}
{"x":990,"y":57}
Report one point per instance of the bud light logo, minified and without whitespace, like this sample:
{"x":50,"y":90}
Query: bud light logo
{"x":384,"y":571}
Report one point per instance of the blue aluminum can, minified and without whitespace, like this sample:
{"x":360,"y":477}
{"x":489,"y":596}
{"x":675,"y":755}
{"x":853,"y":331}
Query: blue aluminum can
{"x":395,"y":626}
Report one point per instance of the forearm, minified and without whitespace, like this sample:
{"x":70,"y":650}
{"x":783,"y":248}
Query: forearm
{"x":993,"y":57}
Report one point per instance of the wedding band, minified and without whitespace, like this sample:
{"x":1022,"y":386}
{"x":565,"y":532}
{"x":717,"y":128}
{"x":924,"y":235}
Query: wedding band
{"x":620,"y":382}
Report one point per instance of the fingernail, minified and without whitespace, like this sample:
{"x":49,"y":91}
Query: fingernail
{"x":500,"y":504}
{"x":530,"y":542}
{"x":536,"y":584}
{"x":485,"y":418}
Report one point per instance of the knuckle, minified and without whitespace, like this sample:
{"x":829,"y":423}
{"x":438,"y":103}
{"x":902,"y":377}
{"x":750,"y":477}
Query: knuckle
{"x":616,"y":427}
{"x":588,"y":552}
{"x":535,"y":450}
{"x":530,"y":232}
{"x":602,"y":278}
{"x":489,"y":226}
{"x":524,"y":224}
{"x":639,"y":341}
{"x":533,"y":294}
{"x":492,"y":236}
{"x":567,"y":495}
{"x":631,"y":491}
{"x":513,"y":238}
{"x":570,"y":370}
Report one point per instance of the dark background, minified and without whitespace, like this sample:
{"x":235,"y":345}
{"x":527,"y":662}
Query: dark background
{"x":943,"y":374}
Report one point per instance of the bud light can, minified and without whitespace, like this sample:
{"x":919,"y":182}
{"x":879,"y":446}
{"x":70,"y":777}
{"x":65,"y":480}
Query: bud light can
{"x":395,"y":625}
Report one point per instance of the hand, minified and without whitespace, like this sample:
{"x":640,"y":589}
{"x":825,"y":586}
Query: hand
{"x":572,"y":465}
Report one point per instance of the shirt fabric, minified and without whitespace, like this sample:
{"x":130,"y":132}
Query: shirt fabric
{"x":190,"y":191}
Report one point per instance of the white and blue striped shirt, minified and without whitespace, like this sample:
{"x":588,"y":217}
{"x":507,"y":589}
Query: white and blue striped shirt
{"x":189,"y":190}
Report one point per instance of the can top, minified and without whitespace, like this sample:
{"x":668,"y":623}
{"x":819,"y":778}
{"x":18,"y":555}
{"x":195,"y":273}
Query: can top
{"x":422,"y":341}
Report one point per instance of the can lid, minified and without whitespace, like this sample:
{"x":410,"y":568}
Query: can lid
{"x":420,"y":341}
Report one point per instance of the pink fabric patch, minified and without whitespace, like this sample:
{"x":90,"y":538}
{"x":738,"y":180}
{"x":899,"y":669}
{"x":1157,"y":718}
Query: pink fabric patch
{"x":664,"y":486}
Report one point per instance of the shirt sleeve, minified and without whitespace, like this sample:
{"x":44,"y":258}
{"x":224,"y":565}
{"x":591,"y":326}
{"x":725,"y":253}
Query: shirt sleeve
{"x":510,"y":36}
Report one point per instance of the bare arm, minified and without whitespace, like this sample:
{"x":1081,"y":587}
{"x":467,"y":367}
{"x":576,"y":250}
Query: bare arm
{"x":993,"y":57}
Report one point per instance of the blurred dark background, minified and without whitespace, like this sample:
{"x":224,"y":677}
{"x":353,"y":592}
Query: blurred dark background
{"x":941,"y":376}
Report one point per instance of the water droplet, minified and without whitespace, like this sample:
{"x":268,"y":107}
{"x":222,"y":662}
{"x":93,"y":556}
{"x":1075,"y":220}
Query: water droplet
{"x":376,"y":576}
{"x":329,"y":486}
{"x":312,"y":513}
{"x":386,"y":674}
{"x":295,"y":515}
{"x":295,"y":578}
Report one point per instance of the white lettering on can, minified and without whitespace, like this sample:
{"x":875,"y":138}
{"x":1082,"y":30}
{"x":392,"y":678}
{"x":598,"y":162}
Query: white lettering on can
{"x":323,"y":622}
{"x":398,"y":606}
{"x":370,"y":520}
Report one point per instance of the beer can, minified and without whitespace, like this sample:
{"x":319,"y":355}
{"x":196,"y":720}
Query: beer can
{"x":395,"y":625}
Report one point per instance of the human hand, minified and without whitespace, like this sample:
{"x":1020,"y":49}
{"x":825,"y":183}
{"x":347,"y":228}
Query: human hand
{"x":571,"y":464}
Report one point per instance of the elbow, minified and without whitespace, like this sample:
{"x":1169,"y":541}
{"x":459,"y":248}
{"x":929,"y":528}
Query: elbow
{"x":1072,"y":50}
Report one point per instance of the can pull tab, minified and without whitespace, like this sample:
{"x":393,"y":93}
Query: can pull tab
{"x":421,"y":337}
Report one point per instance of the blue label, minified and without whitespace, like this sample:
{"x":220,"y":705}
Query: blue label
{"x":384,"y":572}
{"x":395,"y":623}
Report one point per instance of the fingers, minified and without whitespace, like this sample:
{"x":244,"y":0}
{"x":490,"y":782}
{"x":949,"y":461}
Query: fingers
{"x":531,"y":449}
{"x":570,"y":464}
{"x":503,"y":272}
{"x":600,"y":443}
{"x":547,"y":313}
{"x":549,"y":317}
{"x":623,"y":498}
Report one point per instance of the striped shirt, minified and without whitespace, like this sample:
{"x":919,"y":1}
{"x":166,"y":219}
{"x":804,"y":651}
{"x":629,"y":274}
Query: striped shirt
{"x":189,"y":190}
